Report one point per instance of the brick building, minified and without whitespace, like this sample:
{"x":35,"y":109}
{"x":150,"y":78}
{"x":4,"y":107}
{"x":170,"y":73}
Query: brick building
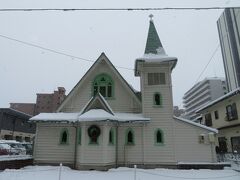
{"x":45,"y":103}
{"x":49,"y":102}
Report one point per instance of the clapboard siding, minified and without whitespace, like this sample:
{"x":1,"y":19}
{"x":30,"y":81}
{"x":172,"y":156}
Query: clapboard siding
{"x":102,"y":153}
{"x":130,"y":153}
{"x":48,"y":148}
{"x":188,"y":148}
{"x":123,"y":101}
{"x":161,"y":117}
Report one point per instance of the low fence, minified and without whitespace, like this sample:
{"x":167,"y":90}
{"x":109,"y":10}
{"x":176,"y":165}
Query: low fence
{"x":232,"y":158}
{"x":15,"y":163}
{"x":14,"y":155}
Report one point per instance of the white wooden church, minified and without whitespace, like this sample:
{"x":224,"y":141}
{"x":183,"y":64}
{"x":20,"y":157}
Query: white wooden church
{"x":105,"y":123}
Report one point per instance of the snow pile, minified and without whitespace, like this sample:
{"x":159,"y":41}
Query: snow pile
{"x":52,"y":173}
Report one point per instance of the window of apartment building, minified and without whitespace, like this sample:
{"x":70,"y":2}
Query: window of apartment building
{"x":222,"y":141}
{"x":156,"y":78}
{"x":216,"y":115}
{"x":235,"y":141}
{"x":231,"y":112}
{"x":208,"y":119}
{"x":27,"y":139}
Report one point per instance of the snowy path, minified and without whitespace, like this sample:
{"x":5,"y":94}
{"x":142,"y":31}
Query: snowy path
{"x":52,"y":173}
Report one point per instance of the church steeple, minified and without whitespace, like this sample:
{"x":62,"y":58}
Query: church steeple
{"x":154,"y":51}
{"x":153,"y":45}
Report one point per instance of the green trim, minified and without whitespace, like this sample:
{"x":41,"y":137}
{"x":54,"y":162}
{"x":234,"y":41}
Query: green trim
{"x":155,"y":137}
{"x":60,"y":137}
{"x":126,"y":137}
{"x":79,"y":140}
{"x":107,"y":79}
{"x":113,"y":137}
{"x":154,"y":102}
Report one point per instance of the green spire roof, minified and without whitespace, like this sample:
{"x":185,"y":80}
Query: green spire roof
{"x":153,"y":41}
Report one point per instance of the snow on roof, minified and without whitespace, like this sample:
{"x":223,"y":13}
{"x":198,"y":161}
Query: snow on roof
{"x":230,"y":94}
{"x":101,"y":115}
{"x":86,"y":104}
{"x":156,"y":58}
{"x":106,"y":103}
{"x":91,"y":115}
{"x":95,"y":115}
{"x":56,"y":117}
{"x":196,"y":124}
{"x":131,"y":117}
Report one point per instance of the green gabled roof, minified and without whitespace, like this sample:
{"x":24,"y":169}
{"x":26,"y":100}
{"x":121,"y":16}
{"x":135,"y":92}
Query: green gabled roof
{"x":153,"y":41}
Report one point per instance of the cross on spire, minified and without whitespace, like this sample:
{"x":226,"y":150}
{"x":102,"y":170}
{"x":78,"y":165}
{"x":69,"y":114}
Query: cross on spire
{"x":151,"y":17}
{"x":153,"y":44}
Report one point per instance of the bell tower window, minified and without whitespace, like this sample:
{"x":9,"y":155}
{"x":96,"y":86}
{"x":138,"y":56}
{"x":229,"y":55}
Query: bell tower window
{"x":104,"y":85}
{"x":156,"y":79}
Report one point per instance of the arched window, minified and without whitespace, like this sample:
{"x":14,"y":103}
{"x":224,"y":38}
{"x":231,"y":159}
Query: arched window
{"x":64,"y":136}
{"x":111,"y":137}
{"x":103,"y":84}
{"x":159,"y":137}
{"x":129,"y":137}
{"x":157,"y":98}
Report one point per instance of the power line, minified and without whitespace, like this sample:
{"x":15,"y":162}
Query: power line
{"x":214,"y":52}
{"x":117,"y":9}
{"x":55,"y":51}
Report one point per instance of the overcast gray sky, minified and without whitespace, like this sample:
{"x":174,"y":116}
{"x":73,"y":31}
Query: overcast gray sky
{"x":24,"y":71}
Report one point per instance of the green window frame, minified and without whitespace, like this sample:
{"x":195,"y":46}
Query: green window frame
{"x":111,"y":137}
{"x":157,"y":99}
{"x":129,"y":137}
{"x":64,"y":137}
{"x":159,"y":137}
{"x":79,"y":140}
{"x":103,"y":84}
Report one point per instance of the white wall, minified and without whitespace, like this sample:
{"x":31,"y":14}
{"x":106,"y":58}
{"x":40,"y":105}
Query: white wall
{"x":47,"y":147}
{"x":187,"y":146}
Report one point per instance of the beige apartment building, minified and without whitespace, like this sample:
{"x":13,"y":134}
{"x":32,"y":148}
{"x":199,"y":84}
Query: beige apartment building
{"x":224,"y":115}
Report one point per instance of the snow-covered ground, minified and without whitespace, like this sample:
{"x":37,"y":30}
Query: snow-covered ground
{"x":52,"y":173}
